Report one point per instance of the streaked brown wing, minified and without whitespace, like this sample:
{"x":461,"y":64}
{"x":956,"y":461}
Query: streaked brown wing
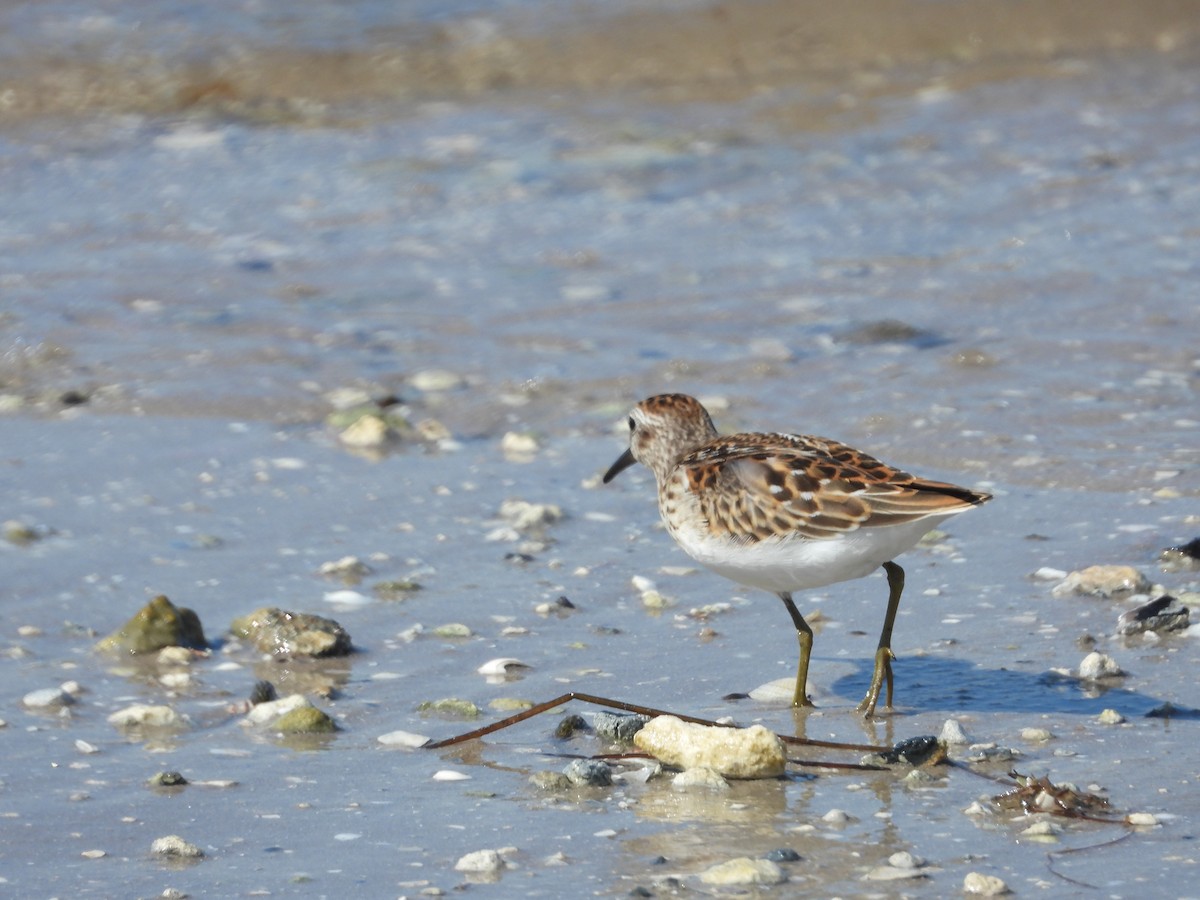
{"x":763,"y":485}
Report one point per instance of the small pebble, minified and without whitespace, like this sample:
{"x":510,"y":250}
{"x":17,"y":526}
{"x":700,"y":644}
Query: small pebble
{"x":1102,"y":581}
{"x":700,"y":777}
{"x":270,"y":710}
{"x":1045,"y":573}
{"x":1110,"y":717}
{"x":1142,"y":819}
{"x":403,"y":739}
{"x":1044,"y":831}
{"x":93,"y":854}
{"x":1097,"y":665}
{"x":837,"y":817}
{"x":952,"y":733}
{"x":525,"y":516}
{"x":783,"y":855}
{"x":167,"y":779}
{"x":618,"y":727}
{"x":450,"y":775}
{"x":588,"y":772}
{"x":549,"y":781}
{"x":481,"y":861}
{"x":430,"y":380}
{"x":145,"y":716}
{"x":905,"y":860}
{"x":984,"y":885}
{"x":1036,"y":735}
{"x":47,"y":698}
{"x":175,"y":656}
{"x":174,"y":846}
{"x":893,"y":873}
{"x":518,"y":447}
{"x":744,"y":870}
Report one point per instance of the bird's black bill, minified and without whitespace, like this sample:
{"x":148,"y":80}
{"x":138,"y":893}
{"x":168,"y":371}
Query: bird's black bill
{"x":620,"y":466}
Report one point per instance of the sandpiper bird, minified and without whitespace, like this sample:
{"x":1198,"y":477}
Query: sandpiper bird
{"x":786,"y":512}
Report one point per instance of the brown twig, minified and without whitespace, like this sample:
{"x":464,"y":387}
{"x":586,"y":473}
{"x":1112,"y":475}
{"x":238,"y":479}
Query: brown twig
{"x":540,"y":708}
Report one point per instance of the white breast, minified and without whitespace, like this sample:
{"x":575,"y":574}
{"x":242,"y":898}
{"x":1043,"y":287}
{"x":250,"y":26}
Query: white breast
{"x":795,"y":564}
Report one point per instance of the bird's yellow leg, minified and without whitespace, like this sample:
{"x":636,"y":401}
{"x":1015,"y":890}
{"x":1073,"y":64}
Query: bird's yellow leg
{"x":805,"y":637}
{"x":884,"y":655}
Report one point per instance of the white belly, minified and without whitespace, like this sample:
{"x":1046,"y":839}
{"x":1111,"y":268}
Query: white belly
{"x":794,"y":564}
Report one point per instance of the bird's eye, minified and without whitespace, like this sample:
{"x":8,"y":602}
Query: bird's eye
{"x":632,"y":424}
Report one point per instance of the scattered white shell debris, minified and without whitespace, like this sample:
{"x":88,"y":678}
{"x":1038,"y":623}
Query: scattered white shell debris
{"x":984,"y":885}
{"x":347,"y":565}
{"x":1097,"y":665}
{"x":175,"y":656}
{"x":406,"y":739}
{"x":175,"y":680}
{"x":744,"y":870}
{"x":524,"y":516}
{"x":518,"y":447}
{"x":347,"y":598}
{"x":1046,"y":573}
{"x":430,"y":380}
{"x":752,"y":752}
{"x":146,"y":716}
{"x":500,"y":666}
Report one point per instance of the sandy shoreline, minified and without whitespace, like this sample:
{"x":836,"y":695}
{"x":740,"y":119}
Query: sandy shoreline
{"x":721,"y":52}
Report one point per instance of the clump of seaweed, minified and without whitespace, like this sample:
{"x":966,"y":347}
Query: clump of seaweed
{"x":1041,"y":795}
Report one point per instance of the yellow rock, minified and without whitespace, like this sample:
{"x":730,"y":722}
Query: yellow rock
{"x":753,"y":752}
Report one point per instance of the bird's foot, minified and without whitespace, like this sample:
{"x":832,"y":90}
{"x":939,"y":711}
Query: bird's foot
{"x":883,"y":672}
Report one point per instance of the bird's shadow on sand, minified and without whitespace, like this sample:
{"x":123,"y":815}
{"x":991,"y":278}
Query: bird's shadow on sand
{"x":959,"y":685}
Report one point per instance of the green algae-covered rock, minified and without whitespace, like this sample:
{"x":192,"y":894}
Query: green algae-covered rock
{"x":158,"y":624}
{"x":282,"y":633}
{"x":305,"y":720}
{"x":451,"y":706}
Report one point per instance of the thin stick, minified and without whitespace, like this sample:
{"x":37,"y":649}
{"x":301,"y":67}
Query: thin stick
{"x":540,"y":708}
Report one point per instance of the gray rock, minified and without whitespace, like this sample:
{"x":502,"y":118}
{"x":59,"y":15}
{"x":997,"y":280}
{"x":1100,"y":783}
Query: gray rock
{"x":589,"y":772}
{"x":618,"y":727}
{"x":1163,"y":613}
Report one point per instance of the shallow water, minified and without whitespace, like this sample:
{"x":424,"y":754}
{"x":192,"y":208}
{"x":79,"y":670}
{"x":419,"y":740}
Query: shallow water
{"x":979,"y":270}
